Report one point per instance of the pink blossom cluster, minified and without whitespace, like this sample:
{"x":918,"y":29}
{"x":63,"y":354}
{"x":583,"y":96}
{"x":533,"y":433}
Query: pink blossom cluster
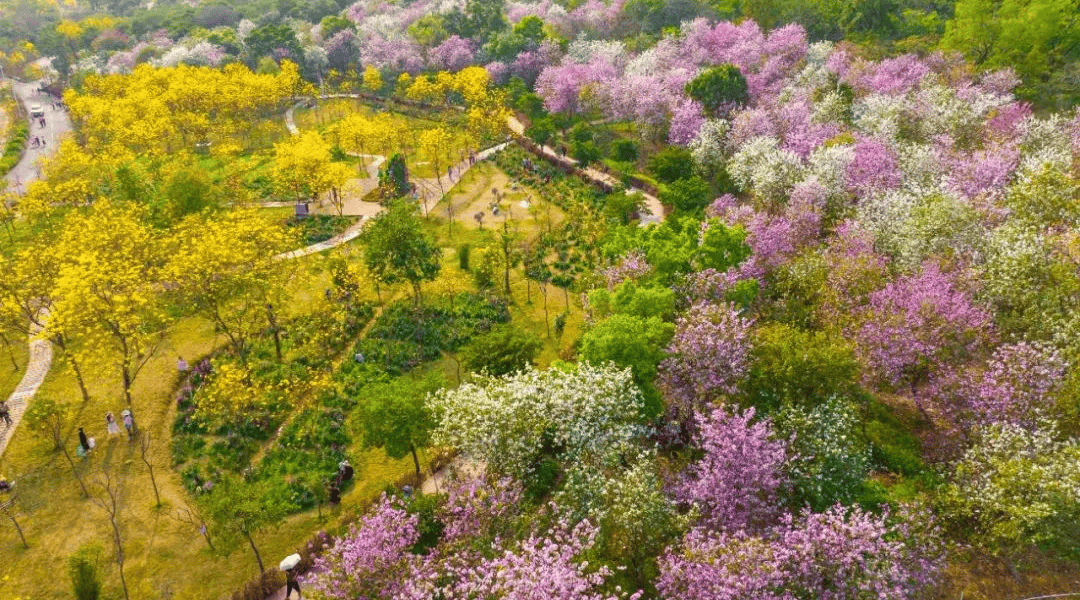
{"x":920,"y":324}
{"x":736,"y":486}
{"x":707,"y":356}
{"x":453,"y":55}
{"x":842,"y":554}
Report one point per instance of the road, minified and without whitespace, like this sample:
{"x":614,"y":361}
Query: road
{"x":57,"y":125}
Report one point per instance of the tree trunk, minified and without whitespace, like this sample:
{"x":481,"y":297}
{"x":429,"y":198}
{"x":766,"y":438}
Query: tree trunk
{"x":416,"y":461}
{"x":547,"y":321}
{"x":258,"y":558}
{"x":206,"y":535}
{"x":274,"y":329}
{"x":126,"y":370}
{"x":17,"y":528}
{"x":62,"y":344}
{"x":75,"y":471}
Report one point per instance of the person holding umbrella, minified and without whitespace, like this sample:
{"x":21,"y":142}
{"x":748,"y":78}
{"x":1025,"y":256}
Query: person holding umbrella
{"x":289,"y":566}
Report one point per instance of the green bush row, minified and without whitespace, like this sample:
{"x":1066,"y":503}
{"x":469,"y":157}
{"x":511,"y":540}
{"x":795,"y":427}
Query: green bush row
{"x":13,"y":150}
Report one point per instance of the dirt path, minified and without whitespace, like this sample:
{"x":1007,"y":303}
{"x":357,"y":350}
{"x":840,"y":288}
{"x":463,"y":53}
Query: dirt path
{"x":652,"y":203}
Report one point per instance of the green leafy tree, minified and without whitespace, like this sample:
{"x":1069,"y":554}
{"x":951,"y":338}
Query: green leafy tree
{"x":394,"y":179}
{"x":634,"y":299}
{"x":1037,"y":38}
{"x":393,"y":416}
{"x":503,"y":350}
{"x":264,"y":40}
{"x":541,"y":130}
{"x":719,"y":87}
{"x":688,"y":195}
{"x":396,"y":248}
{"x":793,"y":367}
{"x":672,"y":164}
{"x":634,"y":342}
{"x":240,"y":509}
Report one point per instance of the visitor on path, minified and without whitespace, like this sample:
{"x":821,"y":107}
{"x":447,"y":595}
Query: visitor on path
{"x":291,"y":583}
{"x":110,"y":424}
{"x":5,"y":414}
{"x":181,"y":365}
{"x":129,"y":423}
{"x":345,"y":472}
{"x":84,"y":443}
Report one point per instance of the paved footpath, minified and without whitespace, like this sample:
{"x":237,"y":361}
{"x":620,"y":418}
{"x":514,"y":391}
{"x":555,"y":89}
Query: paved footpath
{"x":57,"y":125}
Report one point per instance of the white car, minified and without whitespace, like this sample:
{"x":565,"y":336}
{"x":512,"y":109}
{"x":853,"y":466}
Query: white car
{"x":36,"y":110}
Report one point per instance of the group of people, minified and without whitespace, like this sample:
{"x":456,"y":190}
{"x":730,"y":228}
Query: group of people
{"x":37,"y":142}
{"x":86,"y":444}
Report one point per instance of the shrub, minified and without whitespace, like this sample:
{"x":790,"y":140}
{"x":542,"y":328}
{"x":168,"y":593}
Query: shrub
{"x":672,"y":164}
{"x":624,"y":151}
{"x":463,"y":257}
{"x":14,"y":148}
{"x":84,"y":570}
{"x":502,"y":350}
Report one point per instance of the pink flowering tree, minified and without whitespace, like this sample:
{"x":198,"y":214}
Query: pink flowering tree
{"x":1017,"y":386}
{"x":735,"y":486}
{"x":707,"y":357}
{"x":842,"y":554}
{"x":452,"y":55}
{"x":917,"y":325}
{"x":373,"y":559}
{"x":549,"y":566}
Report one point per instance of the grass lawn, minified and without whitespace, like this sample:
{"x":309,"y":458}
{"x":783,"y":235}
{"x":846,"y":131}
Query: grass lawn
{"x":165,"y":557}
{"x":524,"y":208}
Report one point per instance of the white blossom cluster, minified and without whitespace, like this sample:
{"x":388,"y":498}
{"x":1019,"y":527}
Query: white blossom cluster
{"x":583,"y":51}
{"x":507,"y":421}
{"x":709,"y":148}
{"x":879,"y":115}
{"x":760,"y":166}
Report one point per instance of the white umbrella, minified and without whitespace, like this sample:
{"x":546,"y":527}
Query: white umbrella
{"x":289,"y":562}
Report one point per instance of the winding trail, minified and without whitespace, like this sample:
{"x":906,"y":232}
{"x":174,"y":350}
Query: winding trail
{"x":57,"y":125}
{"x":653,"y":205}
{"x":431,"y":193}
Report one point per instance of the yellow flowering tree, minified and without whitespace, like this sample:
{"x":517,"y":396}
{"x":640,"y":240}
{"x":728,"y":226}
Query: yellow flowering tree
{"x":373,"y":80}
{"x":107,"y":291}
{"x":302,"y":167}
{"x":223,"y":268}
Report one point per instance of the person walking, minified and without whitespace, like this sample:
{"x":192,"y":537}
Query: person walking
{"x":291,"y":583}
{"x":129,"y":423}
{"x":110,"y":424}
{"x":5,"y":414}
{"x":84,"y":443}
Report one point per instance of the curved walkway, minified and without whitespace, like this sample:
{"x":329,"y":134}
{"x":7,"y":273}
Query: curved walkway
{"x":430,"y":190}
{"x":57,"y":124}
{"x":652,"y":203}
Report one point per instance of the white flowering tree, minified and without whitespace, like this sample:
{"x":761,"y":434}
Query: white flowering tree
{"x":1016,"y":487}
{"x":507,"y":422}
